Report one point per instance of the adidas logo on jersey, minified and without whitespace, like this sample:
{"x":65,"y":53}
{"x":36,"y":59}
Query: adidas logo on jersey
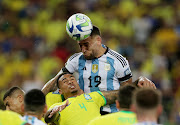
{"x":84,"y":68}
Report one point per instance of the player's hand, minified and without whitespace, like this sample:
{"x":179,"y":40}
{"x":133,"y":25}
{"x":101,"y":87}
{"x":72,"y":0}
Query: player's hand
{"x":58,"y":109}
{"x":145,"y":82}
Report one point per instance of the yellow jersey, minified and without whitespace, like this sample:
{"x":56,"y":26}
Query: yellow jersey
{"x":81,"y":109}
{"x":118,"y":118}
{"x":52,"y":98}
{"x":10,"y":118}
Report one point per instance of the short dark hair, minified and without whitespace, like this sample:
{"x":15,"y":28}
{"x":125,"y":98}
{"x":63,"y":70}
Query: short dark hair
{"x":125,"y":95}
{"x":147,"y":98}
{"x":34,"y":101}
{"x":10,"y":91}
{"x":95,"y":31}
{"x":57,"y":82}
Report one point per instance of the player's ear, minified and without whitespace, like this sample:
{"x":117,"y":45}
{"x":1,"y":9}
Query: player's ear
{"x":117,"y":104}
{"x":60,"y":91}
{"x":99,"y":39}
{"x":159,"y":110}
{"x":45,"y":109}
{"x":21,"y":98}
{"x":133,"y":108}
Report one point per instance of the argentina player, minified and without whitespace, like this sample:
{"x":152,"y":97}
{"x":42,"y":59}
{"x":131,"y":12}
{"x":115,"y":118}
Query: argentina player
{"x":98,"y":68}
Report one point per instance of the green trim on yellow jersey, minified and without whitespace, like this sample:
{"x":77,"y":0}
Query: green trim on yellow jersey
{"x":103,"y":97}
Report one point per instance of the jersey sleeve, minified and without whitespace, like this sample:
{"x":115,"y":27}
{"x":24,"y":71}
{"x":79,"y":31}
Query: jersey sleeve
{"x":72,"y":63}
{"x":99,"y":98}
{"x":123,"y":71}
{"x":52,"y":98}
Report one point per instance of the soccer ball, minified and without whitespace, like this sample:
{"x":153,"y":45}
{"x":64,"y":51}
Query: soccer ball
{"x":79,"y":26}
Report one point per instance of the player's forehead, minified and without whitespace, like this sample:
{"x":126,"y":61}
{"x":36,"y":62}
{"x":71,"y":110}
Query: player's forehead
{"x":88,"y":40}
{"x":65,"y":76}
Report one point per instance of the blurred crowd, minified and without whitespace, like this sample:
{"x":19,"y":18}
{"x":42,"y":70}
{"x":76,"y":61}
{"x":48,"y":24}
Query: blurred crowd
{"x":34,"y":44}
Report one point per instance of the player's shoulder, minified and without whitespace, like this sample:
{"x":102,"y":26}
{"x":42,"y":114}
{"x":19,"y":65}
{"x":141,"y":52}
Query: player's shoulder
{"x":75,"y":55}
{"x":95,"y":93}
{"x":117,"y":57}
{"x":104,"y":119}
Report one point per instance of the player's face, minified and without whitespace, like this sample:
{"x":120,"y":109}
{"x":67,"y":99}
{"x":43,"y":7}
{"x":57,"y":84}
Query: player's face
{"x":88,"y":47}
{"x":68,"y":84}
{"x":13,"y":104}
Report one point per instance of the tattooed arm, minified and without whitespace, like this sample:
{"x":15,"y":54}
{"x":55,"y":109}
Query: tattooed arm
{"x":51,"y":85}
{"x":110,"y":96}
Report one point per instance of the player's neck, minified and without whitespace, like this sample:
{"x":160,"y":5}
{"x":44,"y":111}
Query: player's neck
{"x":143,"y":118}
{"x":34,"y":115}
{"x":74,"y":94}
{"x":100,"y":52}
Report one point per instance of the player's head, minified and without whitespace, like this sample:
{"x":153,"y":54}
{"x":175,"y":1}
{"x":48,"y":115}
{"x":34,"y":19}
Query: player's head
{"x":90,"y":46}
{"x":125,"y":96}
{"x":34,"y":103}
{"x":13,"y":99}
{"x":147,"y":102}
{"x":67,"y":84}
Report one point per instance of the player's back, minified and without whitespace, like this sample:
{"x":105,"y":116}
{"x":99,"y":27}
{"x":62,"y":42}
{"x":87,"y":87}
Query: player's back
{"x":10,"y":118}
{"x":118,"y":118}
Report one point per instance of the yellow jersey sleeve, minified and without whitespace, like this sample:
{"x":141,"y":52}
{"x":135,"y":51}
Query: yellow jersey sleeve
{"x":99,"y":98}
{"x":52,"y":98}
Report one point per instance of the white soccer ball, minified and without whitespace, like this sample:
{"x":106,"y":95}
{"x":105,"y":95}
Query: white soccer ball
{"x":79,"y":26}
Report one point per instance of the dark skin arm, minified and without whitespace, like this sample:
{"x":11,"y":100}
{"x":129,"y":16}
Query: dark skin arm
{"x":53,"y":118}
{"x":141,"y":82}
{"x":51,"y":85}
{"x":53,"y":114}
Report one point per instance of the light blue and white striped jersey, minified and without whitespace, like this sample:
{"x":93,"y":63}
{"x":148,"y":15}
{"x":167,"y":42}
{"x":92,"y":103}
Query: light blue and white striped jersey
{"x":33,"y":120}
{"x":101,"y":74}
{"x":147,"y":123}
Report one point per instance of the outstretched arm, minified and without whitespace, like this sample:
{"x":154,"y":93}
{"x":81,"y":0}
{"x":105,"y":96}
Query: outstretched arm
{"x":141,"y":82}
{"x":53,"y":114}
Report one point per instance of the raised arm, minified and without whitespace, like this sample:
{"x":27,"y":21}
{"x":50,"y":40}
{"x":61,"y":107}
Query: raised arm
{"x":51,"y":85}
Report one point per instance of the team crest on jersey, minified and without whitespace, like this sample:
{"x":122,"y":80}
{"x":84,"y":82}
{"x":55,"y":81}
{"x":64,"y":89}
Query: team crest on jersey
{"x":94,"y":68}
{"x":87,"y":97}
{"x":107,"y":66}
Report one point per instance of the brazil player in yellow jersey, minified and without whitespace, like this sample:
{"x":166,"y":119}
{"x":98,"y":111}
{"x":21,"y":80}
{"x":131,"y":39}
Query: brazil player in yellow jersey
{"x":124,"y":116}
{"x":81,"y":107}
{"x":14,"y":99}
{"x":11,"y":118}
{"x":53,"y":95}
